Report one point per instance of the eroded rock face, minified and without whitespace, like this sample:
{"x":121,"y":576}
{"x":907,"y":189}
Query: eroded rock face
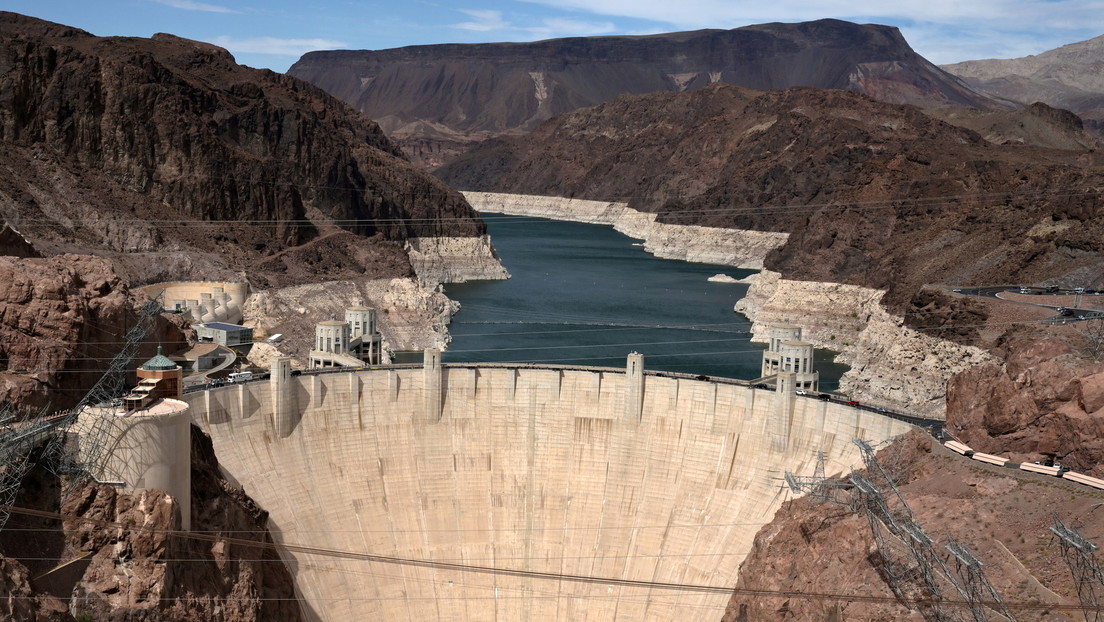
{"x":139,"y":567}
{"x":890,"y":362}
{"x":409,"y":316}
{"x":62,"y":320}
{"x":163,"y":146}
{"x":1045,"y":401}
{"x":1001,"y":515}
{"x":18,"y":600}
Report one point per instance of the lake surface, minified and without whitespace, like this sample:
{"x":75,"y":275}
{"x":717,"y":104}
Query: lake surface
{"x":586,"y":295}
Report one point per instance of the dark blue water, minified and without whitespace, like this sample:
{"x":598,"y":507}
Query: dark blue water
{"x":585,"y":295}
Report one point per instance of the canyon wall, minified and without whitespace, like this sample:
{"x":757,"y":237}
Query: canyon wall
{"x":890,"y":363}
{"x":733,"y":247}
{"x":439,"y":260}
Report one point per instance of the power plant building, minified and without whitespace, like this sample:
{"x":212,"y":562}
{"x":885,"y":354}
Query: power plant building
{"x":222,"y":333}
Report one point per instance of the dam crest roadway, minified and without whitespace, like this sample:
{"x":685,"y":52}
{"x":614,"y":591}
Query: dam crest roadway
{"x":598,"y":472}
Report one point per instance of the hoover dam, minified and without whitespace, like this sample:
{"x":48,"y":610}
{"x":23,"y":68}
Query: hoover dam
{"x":397,"y":489}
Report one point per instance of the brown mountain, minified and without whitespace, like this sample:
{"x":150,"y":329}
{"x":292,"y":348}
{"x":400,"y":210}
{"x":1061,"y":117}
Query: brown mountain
{"x":1070,"y":77}
{"x":872,"y":194}
{"x":165,"y":147}
{"x":434,"y":99}
{"x":127,"y":161}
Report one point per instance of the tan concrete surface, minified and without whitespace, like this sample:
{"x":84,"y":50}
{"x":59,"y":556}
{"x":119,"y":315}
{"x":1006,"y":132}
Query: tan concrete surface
{"x":151,"y":449}
{"x":529,"y":469}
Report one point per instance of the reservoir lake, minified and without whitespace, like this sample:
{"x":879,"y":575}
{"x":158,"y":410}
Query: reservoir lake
{"x":583,"y":294}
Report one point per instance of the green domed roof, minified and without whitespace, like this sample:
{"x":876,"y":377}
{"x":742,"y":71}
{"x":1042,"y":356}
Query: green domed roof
{"x":159,"y":362}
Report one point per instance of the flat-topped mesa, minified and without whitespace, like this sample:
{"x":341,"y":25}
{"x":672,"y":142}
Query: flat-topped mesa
{"x":433,"y":98}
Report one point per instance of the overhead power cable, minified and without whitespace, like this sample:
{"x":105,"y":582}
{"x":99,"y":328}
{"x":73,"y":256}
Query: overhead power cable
{"x":530,"y":574}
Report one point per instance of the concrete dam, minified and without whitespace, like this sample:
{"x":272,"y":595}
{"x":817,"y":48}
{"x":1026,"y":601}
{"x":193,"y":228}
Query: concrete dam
{"x":619,"y":475}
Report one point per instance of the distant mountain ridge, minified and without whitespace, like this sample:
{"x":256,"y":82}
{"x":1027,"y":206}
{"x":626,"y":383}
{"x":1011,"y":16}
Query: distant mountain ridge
{"x":872,"y":194}
{"x":434,"y":99}
{"x":1069,"y":77}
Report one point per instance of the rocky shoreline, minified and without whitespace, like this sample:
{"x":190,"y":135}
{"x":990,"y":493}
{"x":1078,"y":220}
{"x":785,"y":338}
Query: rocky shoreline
{"x":731,"y":247}
{"x":438,"y":260}
{"x":891,"y":364}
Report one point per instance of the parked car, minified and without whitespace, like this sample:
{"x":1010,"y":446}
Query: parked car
{"x":853,"y":403}
{"x":801,"y":392}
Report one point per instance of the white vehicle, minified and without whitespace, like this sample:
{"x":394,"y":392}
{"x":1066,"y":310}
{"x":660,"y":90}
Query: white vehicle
{"x":801,"y":392}
{"x":241,"y":376}
{"x":277,"y":338}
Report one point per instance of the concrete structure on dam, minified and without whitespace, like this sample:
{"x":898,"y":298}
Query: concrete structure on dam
{"x":397,"y":489}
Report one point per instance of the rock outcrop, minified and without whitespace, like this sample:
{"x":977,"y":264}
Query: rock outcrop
{"x":742,"y":249}
{"x":409,"y":316}
{"x":820,"y":561}
{"x":454,"y":260}
{"x":129,"y":561}
{"x":1044,"y":401}
{"x":62,"y":320}
{"x":434,"y":99}
{"x":164,"y":146}
{"x":891,"y":363}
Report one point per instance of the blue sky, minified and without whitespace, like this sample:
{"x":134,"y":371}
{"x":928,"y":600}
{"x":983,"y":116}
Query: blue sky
{"x":274,"y":33}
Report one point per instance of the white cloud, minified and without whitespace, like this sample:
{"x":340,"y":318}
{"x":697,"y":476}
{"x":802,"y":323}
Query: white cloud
{"x":188,"y":5}
{"x":561,"y":27}
{"x":485,"y":21}
{"x":275,"y":46}
{"x":493,"y":21}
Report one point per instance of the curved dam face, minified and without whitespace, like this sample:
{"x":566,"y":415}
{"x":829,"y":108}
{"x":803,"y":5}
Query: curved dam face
{"x":613,"y":474}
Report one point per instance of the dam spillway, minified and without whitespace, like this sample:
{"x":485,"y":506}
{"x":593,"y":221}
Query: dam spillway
{"x":605,"y":473}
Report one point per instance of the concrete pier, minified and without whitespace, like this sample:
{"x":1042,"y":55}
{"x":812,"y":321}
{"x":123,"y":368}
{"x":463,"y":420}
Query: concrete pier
{"x":611,"y":473}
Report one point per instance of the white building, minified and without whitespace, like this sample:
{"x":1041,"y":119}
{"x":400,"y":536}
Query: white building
{"x":787,"y":353}
{"x":350,"y":343}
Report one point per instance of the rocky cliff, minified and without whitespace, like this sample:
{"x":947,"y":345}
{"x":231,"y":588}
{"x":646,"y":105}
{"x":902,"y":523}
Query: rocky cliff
{"x":871,"y":194}
{"x":820,"y":561}
{"x":454,"y":260}
{"x":107,"y":555}
{"x":62,"y":320}
{"x":890,"y":363}
{"x":1044,"y":400}
{"x":436,"y":99}
{"x":148,"y":148}
{"x":409,"y":316}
